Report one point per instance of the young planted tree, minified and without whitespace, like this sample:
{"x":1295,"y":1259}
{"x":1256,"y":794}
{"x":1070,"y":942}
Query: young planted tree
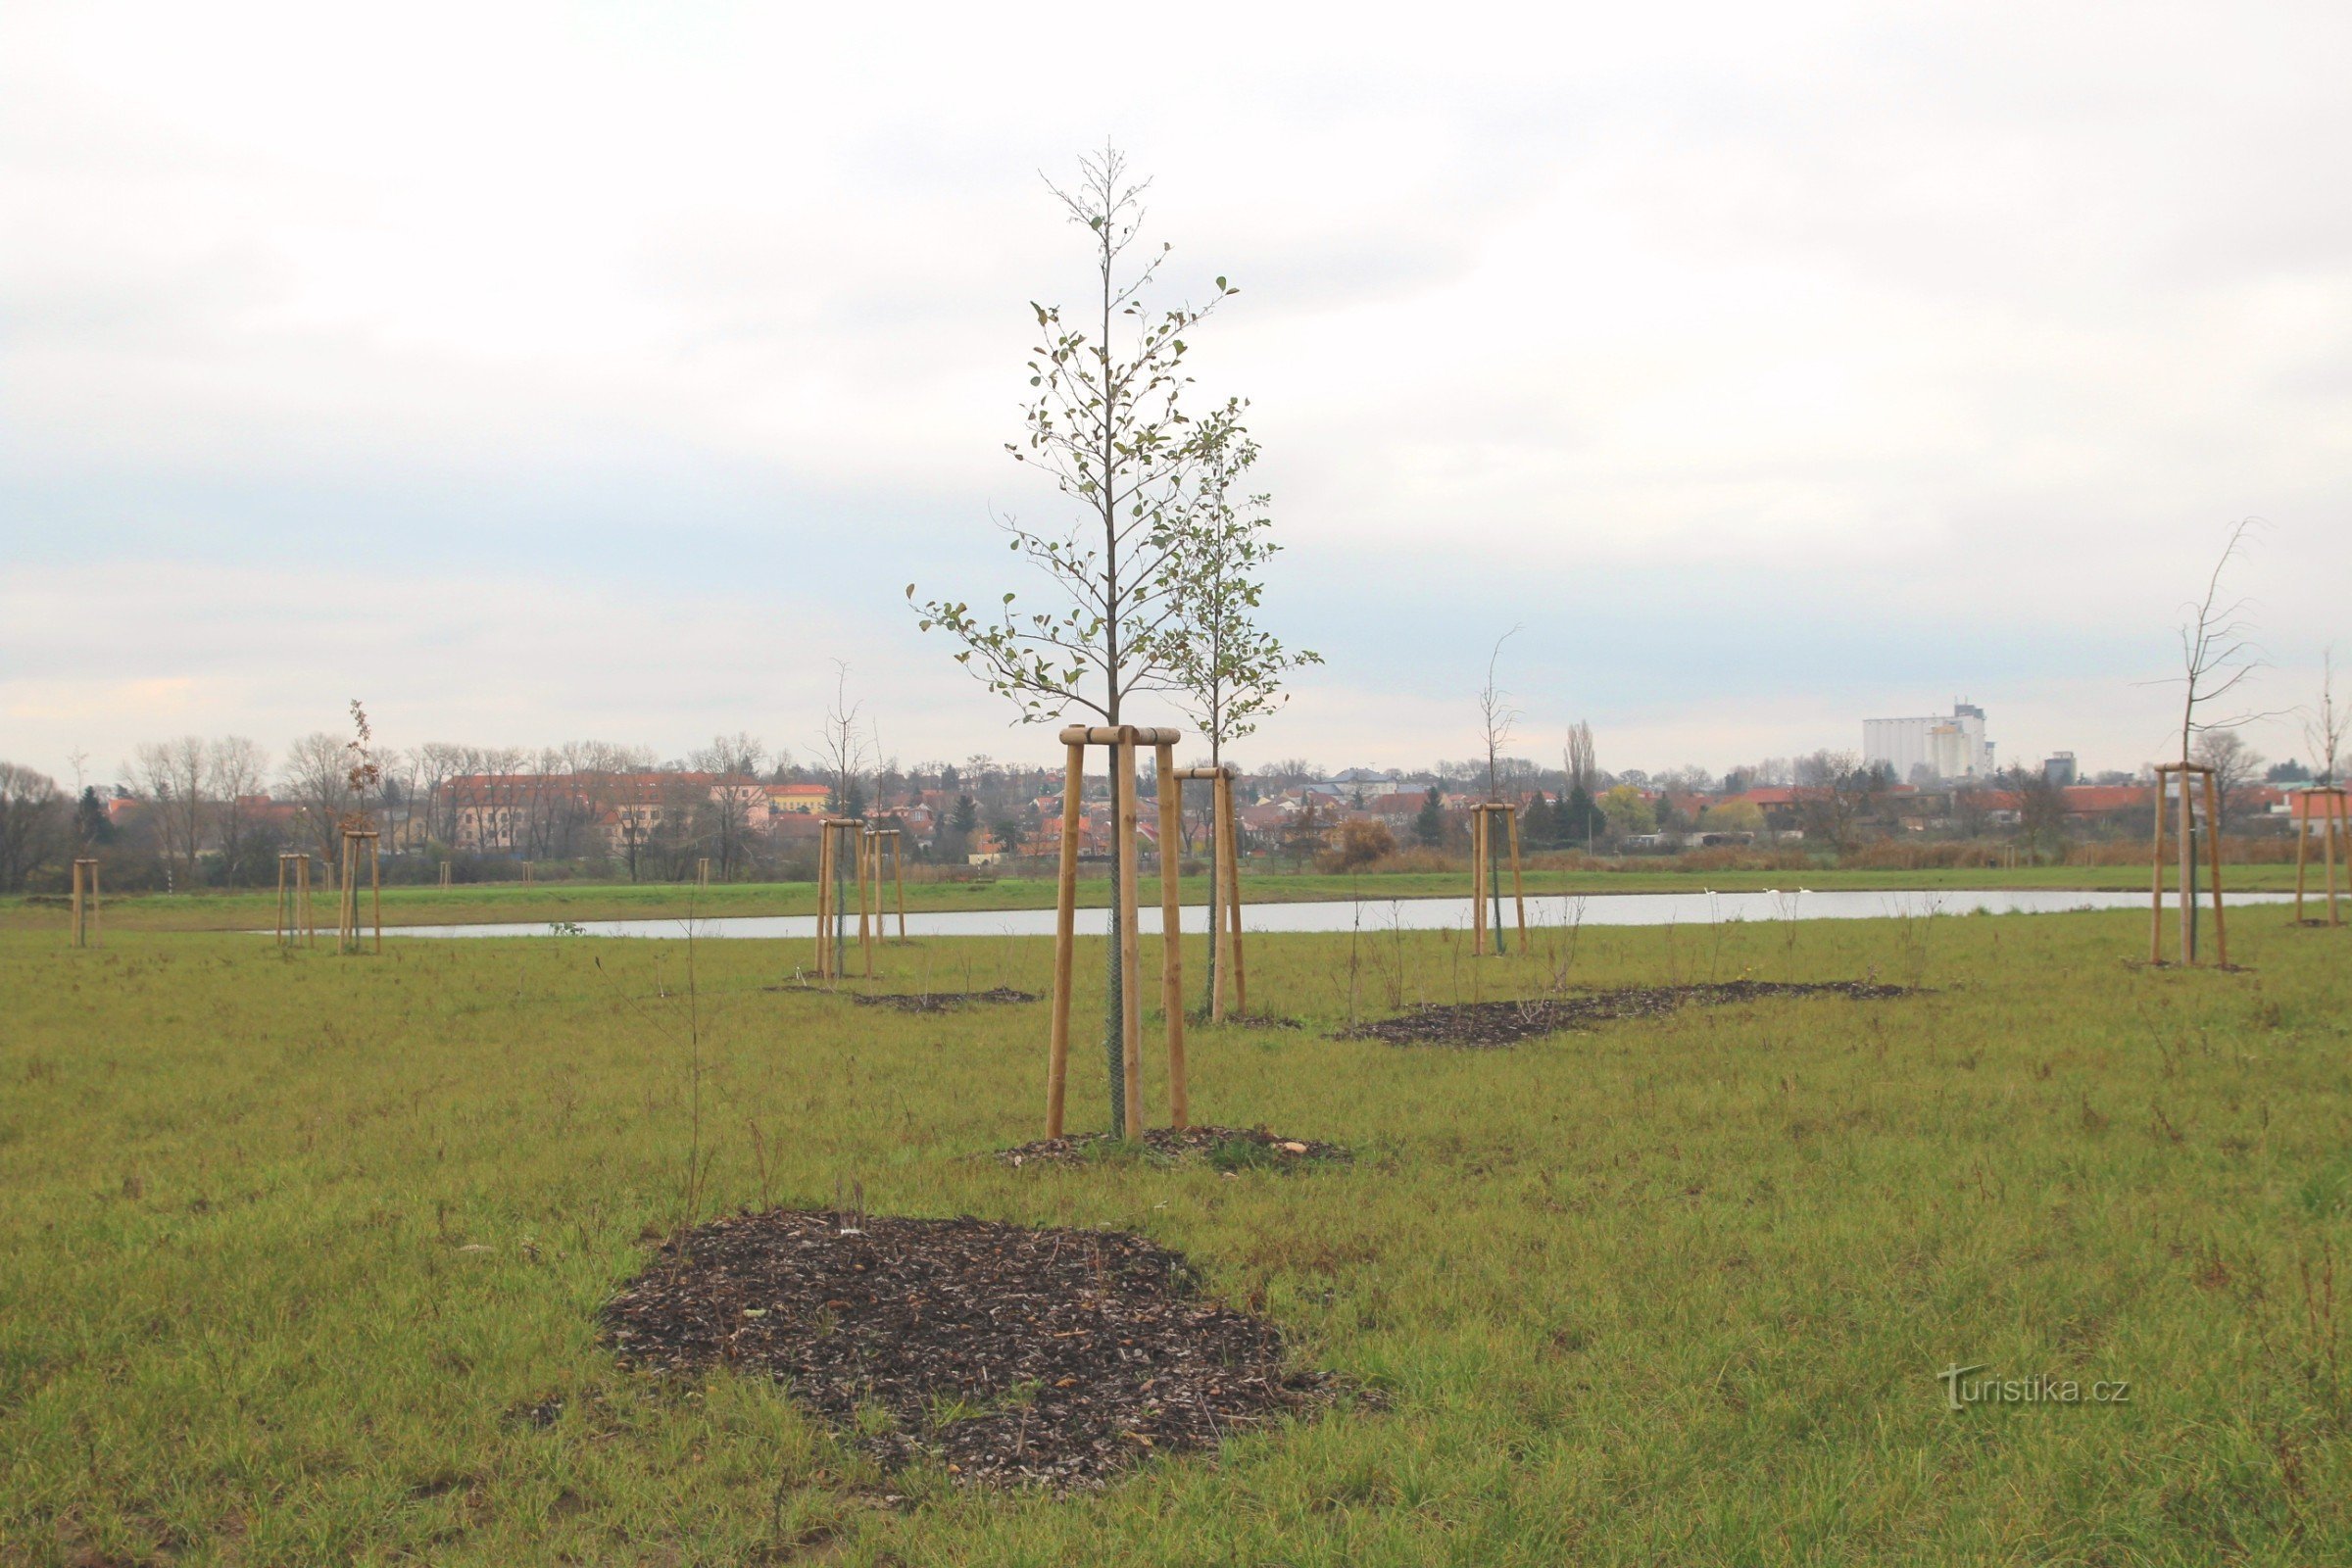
{"x":842,"y":750}
{"x":1108,"y":426}
{"x":2217,"y":655}
{"x":2324,"y":731}
{"x":362,"y":772}
{"x":1228,"y":671}
{"x":1497,"y":718}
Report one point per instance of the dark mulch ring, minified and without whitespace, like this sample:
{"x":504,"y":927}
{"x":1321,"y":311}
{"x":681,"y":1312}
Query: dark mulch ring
{"x":1224,"y":1148}
{"x":1509,"y":1024}
{"x":941,"y":1001}
{"x":1014,"y":1356}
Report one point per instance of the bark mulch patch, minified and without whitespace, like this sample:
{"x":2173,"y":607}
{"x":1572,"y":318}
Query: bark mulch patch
{"x":1491,"y":1024}
{"x":1015,"y":1357}
{"x":1227,"y":1149}
{"x":941,"y":1001}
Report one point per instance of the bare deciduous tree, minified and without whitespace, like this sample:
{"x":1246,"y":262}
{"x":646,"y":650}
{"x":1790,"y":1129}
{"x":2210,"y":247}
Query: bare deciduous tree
{"x":2217,"y":655}
{"x":2237,"y":770}
{"x":2323,"y":730}
{"x":314,"y":777}
{"x":1496,"y":717}
{"x":2217,"y":649}
{"x":1838,"y":793}
{"x":1579,"y":760}
{"x":34,"y":816}
{"x":172,"y":775}
{"x":2040,"y":805}
{"x":840,"y":748}
{"x":238,"y":770}
{"x":733,"y":762}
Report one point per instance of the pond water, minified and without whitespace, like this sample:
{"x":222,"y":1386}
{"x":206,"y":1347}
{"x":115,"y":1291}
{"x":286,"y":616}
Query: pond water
{"x":1411,"y":915}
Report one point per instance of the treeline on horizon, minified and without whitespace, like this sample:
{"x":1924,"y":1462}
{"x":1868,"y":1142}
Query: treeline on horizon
{"x":216,"y":812}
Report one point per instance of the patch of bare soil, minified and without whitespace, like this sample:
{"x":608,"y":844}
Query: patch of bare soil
{"x":1225,"y":1147}
{"x":941,"y":1001}
{"x":1014,"y":1356}
{"x":1492,"y":1024}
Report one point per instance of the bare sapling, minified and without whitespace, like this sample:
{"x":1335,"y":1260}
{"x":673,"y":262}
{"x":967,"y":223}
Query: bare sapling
{"x":2218,"y":657}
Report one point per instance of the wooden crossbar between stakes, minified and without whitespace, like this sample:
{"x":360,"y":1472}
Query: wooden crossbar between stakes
{"x":297,"y":921}
{"x":2186,"y":829}
{"x":1481,"y":849}
{"x":348,"y":923}
{"x":1225,"y":853}
{"x":1125,"y":742}
{"x":85,"y":902}
{"x":2333,"y":819}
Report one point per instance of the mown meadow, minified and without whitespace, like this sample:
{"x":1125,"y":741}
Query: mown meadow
{"x":300,"y":1257}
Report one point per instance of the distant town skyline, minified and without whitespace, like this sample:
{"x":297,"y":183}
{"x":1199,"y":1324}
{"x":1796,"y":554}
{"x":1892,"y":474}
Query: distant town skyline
{"x":611,"y":372}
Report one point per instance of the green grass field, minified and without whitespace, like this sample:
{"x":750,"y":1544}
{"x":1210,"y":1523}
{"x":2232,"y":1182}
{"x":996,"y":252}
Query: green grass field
{"x":290,"y":1245}
{"x":544,"y":903}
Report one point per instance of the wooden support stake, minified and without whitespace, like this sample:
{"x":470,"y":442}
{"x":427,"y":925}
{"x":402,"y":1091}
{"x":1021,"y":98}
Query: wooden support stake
{"x":86,"y":919}
{"x":1171,"y":929}
{"x":1131,"y":1013}
{"x":1066,"y":933}
{"x":2188,"y":883}
{"x":445,"y":873}
{"x":2156,"y":882}
{"x":2303,"y":851}
{"x":1234,"y":963}
{"x":1219,"y":848}
{"x":897,"y":875}
{"x":824,"y":893}
{"x":2335,"y":821}
{"x":2213,"y":845}
{"x":1478,"y":883}
{"x":1518,"y":891}
{"x":868,"y":899}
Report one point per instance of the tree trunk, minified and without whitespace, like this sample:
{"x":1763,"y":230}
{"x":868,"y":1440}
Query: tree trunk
{"x":1216,"y":827}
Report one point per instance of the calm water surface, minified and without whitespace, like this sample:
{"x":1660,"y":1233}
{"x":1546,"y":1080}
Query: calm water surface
{"x":1411,"y":915}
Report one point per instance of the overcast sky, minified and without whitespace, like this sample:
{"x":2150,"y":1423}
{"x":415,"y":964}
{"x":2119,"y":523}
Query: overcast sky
{"x":539,"y":372}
